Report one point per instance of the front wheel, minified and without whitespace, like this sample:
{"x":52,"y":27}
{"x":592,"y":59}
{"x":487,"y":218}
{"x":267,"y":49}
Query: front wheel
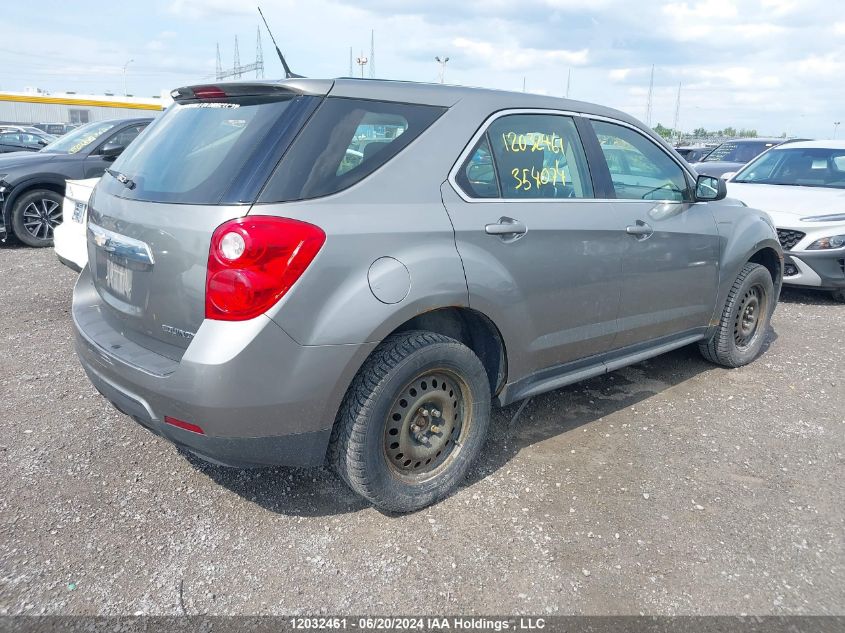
{"x":412,"y":422}
{"x":744,"y":321}
{"x":35,"y":215}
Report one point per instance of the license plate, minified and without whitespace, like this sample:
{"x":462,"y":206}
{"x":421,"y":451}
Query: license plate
{"x":79,"y":212}
{"x":118,"y":279}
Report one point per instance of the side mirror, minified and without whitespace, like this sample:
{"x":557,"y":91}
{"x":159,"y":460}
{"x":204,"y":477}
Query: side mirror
{"x":41,"y":142}
{"x":111,"y":150}
{"x":728,"y":175}
{"x":710,"y":189}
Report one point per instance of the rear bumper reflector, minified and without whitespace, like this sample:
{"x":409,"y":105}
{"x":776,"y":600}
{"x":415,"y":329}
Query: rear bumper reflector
{"x":193,"y":428}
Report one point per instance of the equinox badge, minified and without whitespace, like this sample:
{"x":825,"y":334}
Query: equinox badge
{"x":175,"y":331}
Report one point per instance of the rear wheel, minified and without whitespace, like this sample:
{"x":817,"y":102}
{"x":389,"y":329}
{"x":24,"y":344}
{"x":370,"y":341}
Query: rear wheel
{"x":745,"y":319}
{"x":35,"y":215}
{"x":412,"y":422}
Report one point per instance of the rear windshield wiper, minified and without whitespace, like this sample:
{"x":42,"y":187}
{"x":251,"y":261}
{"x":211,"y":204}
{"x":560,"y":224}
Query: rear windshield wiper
{"x":126,"y":181}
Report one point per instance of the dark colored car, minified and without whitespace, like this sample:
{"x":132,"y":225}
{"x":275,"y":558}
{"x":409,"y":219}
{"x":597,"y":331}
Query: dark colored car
{"x":730,"y":156}
{"x":16,"y":141}
{"x":693,"y":154}
{"x":32,"y":184}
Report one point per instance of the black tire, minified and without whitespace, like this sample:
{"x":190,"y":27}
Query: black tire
{"x":35,"y":215}
{"x":745,"y":319}
{"x":838,"y":295}
{"x":408,"y":375}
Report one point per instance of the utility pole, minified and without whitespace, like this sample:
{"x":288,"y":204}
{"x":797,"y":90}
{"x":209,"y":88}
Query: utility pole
{"x":650,"y":94}
{"x":675,"y":130}
{"x":218,"y":74}
{"x":125,"y":93}
{"x":362,"y":61}
{"x":372,"y":54}
{"x":351,"y":62}
{"x":568,"y":81}
{"x":442,"y":63}
{"x":523,"y":83}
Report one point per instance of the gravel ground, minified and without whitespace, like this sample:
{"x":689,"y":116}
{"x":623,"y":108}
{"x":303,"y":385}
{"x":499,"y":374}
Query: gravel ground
{"x":670,"y":487}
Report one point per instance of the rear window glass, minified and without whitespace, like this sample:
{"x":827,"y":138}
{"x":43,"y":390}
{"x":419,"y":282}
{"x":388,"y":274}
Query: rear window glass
{"x":344,"y":142}
{"x":198,"y":151}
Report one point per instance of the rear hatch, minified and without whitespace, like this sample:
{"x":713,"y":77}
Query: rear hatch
{"x":151,"y":220}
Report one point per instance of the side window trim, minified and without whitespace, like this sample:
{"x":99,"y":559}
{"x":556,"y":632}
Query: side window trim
{"x":599,"y":172}
{"x":499,"y":196}
{"x":483,"y":131}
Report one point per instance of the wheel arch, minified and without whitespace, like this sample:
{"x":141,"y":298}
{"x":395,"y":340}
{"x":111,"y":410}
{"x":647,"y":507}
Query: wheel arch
{"x":771,"y":259}
{"x":472,"y":328}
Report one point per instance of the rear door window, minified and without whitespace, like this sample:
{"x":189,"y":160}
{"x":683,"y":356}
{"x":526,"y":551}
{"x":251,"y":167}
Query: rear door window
{"x":344,"y":142}
{"x":539,"y":156}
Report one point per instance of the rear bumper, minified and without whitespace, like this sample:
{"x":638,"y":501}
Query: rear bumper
{"x":260,"y":398}
{"x":69,"y":241}
{"x":820,"y":269}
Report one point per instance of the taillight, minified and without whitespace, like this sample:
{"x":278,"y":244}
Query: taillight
{"x":253,"y":262}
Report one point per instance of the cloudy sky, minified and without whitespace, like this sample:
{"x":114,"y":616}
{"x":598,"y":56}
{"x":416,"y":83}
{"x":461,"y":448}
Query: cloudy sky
{"x":772,"y":65}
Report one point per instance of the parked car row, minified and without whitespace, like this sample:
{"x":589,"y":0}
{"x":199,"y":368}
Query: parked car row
{"x":32,"y":184}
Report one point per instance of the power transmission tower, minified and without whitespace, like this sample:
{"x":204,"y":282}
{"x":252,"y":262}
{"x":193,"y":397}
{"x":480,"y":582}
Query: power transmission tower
{"x":236,"y":66}
{"x":237,"y":71}
{"x":372,"y":54}
{"x":259,"y":55}
{"x":676,"y":132}
{"x":650,"y":95}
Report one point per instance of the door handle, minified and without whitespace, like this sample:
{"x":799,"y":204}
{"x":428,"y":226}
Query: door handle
{"x":506,"y":227}
{"x":640,"y":229}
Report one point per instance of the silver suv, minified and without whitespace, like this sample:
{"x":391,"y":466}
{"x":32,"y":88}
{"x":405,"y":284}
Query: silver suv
{"x":351,"y":271}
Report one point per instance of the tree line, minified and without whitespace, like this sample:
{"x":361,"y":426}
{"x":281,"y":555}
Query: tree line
{"x":703,"y":134}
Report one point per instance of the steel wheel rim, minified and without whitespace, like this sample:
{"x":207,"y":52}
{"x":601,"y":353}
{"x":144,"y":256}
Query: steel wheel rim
{"x":40,"y":217}
{"x":748,"y":317}
{"x":427,"y":425}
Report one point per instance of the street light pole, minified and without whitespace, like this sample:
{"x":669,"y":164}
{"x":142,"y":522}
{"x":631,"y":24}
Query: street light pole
{"x":362,"y":61}
{"x":442,"y":63}
{"x":836,"y":127}
{"x":125,"y":93}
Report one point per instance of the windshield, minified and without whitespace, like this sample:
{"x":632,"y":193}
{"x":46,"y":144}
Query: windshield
{"x":738,"y":151}
{"x":198,"y":151}
{"x":803,"y":167}
{"x":80,"y":138}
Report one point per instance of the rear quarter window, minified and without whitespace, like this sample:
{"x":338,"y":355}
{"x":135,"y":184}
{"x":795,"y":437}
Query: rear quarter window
{"x":344,"y":142}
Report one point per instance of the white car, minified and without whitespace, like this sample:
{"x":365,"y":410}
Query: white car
{"x":69,"y":237}
{"x":802,"y":187}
